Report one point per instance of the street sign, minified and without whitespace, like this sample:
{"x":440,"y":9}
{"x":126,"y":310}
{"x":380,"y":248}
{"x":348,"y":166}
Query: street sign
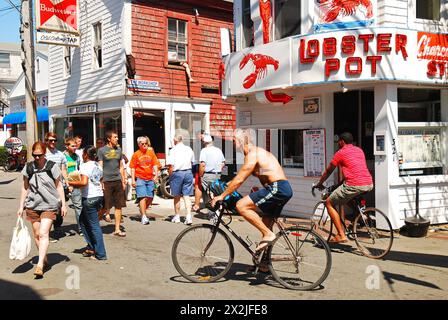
{"x":57,"y":38}
{"x":60,"y":17}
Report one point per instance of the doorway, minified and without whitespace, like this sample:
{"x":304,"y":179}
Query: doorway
{"x":150,"y":123}
{"x":83,"y":127}
{"x":354,"y":112}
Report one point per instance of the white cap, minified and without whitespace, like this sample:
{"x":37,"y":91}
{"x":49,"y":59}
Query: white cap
{"x":207,"y":138}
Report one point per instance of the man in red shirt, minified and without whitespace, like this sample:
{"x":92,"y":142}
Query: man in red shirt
{"x":144,"y":165}
{"x":357,"y":180}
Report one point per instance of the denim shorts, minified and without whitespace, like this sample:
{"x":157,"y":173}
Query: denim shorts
{"x":272,"y":198}
{"x":181,"y":183}
{"x":144,"y":188}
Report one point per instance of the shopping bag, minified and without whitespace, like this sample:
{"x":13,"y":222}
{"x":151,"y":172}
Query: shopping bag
{"x":21,"y":241}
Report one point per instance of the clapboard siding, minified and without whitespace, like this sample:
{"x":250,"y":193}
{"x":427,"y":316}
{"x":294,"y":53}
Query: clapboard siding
{"x":85,"y":83}
{"x":393,"y":13}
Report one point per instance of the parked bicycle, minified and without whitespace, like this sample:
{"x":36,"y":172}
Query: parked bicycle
{"x":298,"y":259}
{"x":164,"y":189}
{"x":15,"y":160}
{"x":370,"y":227}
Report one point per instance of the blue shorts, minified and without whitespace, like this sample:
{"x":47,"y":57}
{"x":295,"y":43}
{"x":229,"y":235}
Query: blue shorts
{"x":144,"y":188}
{"x":182,"y":183}
{"x":272,"y":198}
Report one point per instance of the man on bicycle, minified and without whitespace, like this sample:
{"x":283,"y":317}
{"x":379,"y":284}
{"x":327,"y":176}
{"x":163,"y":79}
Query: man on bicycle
{"x":357,"y":180}
{"x":270,"y":199}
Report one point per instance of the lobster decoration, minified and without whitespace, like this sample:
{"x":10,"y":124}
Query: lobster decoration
{"x":266,"y":18}
{"x":260,"y":63}
{"x":344,"y":7}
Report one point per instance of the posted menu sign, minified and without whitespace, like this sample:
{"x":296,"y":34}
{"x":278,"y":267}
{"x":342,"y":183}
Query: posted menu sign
{"x":314,"y":152}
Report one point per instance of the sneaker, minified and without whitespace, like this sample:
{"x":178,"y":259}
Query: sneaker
{"x":188,"y":220}
{"x":145,"y":219}
{"x":176,"y":219}
{"x":212,"y":217}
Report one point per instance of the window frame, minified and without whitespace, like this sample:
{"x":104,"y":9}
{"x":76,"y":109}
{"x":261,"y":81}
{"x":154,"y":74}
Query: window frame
{"x":243,"y":33}
{"x":9,"y":60}
{"x":274,"y":13}
{"x":67,"y":69}
{"x":95,"y":63}
{"x":429,"y":25}
{"x":432,"y":20}
{"x":188,"y":54}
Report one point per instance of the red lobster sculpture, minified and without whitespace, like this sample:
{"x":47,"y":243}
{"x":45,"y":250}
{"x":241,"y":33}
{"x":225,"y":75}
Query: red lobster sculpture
{"x":346,"y":7}
{"x":266,"y":18}
{"x":260,"y":63}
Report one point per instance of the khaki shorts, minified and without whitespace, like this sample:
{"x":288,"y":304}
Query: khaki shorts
{"x":345,"y":193}
{"x":37,"y":216}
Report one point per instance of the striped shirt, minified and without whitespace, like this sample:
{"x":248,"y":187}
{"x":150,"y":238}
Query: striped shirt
{"x":353,"y":163}
{"x":56,"y":156}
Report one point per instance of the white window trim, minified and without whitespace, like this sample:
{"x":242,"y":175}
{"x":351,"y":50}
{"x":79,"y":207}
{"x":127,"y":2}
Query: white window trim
{"x":429,"y":25}
{"x":95,"y":66}
{"x":67,"y":75}
{"x":187,"y":35}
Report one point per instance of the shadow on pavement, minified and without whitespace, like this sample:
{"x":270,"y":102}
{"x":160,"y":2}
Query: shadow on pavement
{"x":7,"y":181}
{"x":434,"y":260}
{"x":392,"y":277}
{"x":110,"y":228}
{"x":13,"y":291}
{"x":53,"y":259}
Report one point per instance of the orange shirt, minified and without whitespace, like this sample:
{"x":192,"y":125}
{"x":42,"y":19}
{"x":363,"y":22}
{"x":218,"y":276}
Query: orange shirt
{"x":144,"y":163}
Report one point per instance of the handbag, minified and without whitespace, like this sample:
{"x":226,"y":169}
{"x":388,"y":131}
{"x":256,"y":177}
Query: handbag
{"x":21,"y":241}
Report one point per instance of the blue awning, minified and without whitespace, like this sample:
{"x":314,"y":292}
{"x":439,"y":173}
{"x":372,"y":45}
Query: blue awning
{"x":20,"y":117}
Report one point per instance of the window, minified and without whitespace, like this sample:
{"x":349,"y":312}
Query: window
{"x":247,"y":25}
{"x":287,"y":18}
{"x":97,"y":46}
{"x":67,"y":61}
{"x":428,"y":9}
{"x":291,"y":142}
{"x":189,"y":124}
{"x":418,"y":105}
{"x":4,"y":60}
{"x":177,"y":41}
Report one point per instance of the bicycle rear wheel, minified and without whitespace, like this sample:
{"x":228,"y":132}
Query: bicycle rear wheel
{"x":193,"y":263}
{"x":299,"y":259}
{"x":322,"y":221}
{"x":11,"y":164}
{"x":371,"y":241}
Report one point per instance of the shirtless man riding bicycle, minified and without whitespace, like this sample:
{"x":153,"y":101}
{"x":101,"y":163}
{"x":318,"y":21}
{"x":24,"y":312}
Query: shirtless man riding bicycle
{"x":271,"y":199}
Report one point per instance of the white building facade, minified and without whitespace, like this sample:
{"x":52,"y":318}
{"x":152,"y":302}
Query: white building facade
{"x":305,"y":71}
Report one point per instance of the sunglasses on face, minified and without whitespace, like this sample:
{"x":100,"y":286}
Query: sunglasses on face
{"x":37,"y":155}
{"x":52,"y":140}
{"x":143,"y":144}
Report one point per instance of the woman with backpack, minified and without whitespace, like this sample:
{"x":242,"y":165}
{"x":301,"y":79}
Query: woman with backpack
{"x":41,"y":195}
{"x":92,"y":201}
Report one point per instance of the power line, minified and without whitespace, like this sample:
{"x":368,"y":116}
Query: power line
{"x":14,"y":6}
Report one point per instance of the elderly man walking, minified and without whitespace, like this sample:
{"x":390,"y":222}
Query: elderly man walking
{"x":180,"y":161}
{"x":211,"y":163}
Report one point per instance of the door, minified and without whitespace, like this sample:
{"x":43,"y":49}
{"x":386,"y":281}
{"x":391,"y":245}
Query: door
{"x":354,"y":113}
{"x":83,"y":126}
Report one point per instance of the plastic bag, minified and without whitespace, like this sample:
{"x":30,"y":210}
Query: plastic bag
{"x":21,"y":241}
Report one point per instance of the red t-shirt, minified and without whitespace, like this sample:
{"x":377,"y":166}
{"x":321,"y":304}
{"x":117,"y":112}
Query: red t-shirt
{"x":144,"y":163}
{"x":353,"y":163}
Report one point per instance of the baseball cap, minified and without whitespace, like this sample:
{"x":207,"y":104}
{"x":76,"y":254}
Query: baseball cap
{"x":207,"y":138}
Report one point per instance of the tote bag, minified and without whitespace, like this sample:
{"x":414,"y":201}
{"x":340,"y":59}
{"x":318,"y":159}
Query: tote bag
{"x":21,"y":241}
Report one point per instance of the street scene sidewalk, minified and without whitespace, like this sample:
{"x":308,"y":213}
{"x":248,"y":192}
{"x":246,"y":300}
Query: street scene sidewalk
{"x":139,"y":266}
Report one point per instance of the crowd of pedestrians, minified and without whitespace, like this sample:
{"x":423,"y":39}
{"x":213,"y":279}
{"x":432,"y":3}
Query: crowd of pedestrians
{"x":93,"y":180}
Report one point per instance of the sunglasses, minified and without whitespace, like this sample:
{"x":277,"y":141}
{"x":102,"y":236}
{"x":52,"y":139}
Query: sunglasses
{"x":37,"y":155}
{"x":143,"y":144}
{"x":52,"y":140}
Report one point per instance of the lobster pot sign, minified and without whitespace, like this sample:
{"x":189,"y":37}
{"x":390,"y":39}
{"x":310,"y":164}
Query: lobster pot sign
{"x":251,"y":70}
{"x":333,"y":14}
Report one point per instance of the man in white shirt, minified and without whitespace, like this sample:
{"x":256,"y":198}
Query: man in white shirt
{"x":179,"y":161}
{"x":211,"y":163}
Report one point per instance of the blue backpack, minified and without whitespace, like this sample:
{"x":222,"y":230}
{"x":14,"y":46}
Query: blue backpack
{"x":218,"y":186}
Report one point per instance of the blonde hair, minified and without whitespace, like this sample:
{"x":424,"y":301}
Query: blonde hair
{"x":144,"y":139}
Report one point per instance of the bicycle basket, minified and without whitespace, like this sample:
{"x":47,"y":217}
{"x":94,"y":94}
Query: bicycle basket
{"x":217,"y":187}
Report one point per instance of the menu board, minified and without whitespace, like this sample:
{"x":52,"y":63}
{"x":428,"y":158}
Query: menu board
{"x":314,"y":152}
{"x":420,"y":147}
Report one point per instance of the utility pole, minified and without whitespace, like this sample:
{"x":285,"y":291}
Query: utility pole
{"x":27,"y":37}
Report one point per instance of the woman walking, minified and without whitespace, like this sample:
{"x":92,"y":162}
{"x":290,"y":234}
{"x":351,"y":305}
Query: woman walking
{"x":92,"y":201}
{"x":41,"y":195}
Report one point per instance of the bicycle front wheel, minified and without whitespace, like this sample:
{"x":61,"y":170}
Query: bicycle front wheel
{"x":300,"y":259}
{"x":322,"y":221}
{"x":373,"y":233}
{"x":194,"y":262}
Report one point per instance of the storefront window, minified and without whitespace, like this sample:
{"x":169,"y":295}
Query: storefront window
{"x":287,"y":18}
{"x":418,"y":105}
{"x":108,"y":121}
{"x":291,"y":148}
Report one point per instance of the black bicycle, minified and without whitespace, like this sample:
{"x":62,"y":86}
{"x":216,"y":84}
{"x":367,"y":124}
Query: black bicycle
{"x":299,"y":258}
{"x":370,"y":227}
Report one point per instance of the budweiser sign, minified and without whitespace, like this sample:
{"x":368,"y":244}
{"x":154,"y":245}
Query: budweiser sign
{"x":432,"y":46}
{"x":57,"y":15}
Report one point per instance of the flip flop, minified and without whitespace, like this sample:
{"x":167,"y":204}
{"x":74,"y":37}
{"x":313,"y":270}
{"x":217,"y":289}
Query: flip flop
{"x":335,"y":241}
{"x":264,"y":244}
{"x":119,"y":234}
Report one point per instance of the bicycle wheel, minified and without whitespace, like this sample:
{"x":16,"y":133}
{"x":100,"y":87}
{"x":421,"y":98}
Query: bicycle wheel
{"x":373,"y":233}
{"x":322,"y":221}
{"x":193,"y":263}
{"x":299,"y":259}
{"x":11,"y":164}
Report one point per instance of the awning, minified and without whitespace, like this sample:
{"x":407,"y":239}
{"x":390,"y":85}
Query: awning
{"x":20,"y":117}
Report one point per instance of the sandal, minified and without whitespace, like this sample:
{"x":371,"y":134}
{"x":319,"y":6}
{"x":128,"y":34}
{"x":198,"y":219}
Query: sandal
{"x":337,"y":240}
{"x":88,"y":253}
{"x":107,"y":218}
{"x":119,"y":234}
